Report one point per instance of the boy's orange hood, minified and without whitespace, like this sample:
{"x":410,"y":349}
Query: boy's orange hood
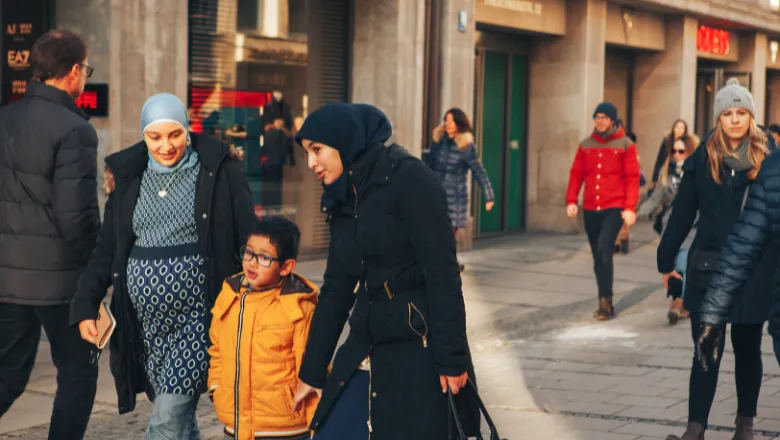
{"x":293,"y":290}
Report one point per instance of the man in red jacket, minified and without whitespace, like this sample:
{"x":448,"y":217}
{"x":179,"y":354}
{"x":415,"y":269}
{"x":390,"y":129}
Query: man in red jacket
{"x":608,"y":164}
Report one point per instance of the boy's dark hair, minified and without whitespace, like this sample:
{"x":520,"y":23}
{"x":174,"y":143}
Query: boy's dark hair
{"x":55,"y":53}
{"x":282,"y":233}
{"x":774,"y":128}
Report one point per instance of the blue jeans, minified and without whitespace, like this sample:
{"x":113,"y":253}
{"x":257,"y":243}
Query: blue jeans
{"x":681,"y":265}
{"x":173,"y":418}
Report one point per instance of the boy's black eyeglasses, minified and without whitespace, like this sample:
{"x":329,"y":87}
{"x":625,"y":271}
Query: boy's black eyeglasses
{"x":262,"y":260}
{"x":90,"y":69}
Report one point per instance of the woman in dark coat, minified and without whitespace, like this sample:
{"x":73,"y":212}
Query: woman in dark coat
{"x":390,"y":235}
{"x":178,"y":211}
{"x":715,"y":183}
{"x":452,"y":155}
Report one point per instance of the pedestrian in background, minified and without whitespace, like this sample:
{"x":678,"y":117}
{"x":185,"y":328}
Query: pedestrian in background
{"x":607,"y":164}
{"x":678,"y":130}
{"x":451,"y":156}
{"x":774,"y":130}
{"x":715,"y":186}
{"x":179,"y":210}
{"x":49,"y":222}
{"x":659,"y":204}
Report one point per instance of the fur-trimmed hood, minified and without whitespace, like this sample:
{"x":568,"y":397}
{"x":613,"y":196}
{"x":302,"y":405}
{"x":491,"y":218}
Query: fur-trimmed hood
{"x":462,"y":140}
{"x":133,"y":160}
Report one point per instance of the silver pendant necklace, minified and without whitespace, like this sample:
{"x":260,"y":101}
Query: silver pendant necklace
{"x":164,"y":191}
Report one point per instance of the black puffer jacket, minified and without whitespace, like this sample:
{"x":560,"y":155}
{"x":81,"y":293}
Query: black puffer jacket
{"x":756,"y":234}
{"x":718,"y":207}
{"x":49,"y":215}
{"x":224,"y":218}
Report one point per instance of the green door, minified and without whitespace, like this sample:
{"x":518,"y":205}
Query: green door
{"x":501,"y":127}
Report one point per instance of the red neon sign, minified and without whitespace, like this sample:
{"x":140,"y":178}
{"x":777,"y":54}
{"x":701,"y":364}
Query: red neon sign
{"x":88,"y":100}
{"x":712,"y":40}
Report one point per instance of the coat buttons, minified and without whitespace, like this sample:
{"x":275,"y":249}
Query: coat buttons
{"x":599,"y":165}
{"x":211,"y":174}
{"x":205,"y":215}
{"x":597,"y":187}
{"x":597,"y":176}
{"x":116,"y":275}
{"x":373,"y":395}
{"x":341,"y":384}
{"x":350,"y":172}
{"x":598,"y":208}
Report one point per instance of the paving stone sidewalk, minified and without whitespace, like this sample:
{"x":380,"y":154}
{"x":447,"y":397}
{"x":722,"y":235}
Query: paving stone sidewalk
{"x":545,"y":369}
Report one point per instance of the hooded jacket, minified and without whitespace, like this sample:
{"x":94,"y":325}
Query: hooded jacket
{"x":609,"y":168}
{"x":258,"y":339}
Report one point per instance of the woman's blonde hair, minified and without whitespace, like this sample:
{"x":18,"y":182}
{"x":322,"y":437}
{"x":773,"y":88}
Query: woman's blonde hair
{"x":690,"y":147}
{"x":718,"y":145}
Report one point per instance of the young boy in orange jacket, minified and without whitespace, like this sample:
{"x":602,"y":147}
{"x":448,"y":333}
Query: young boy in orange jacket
{"x":258,"y":333}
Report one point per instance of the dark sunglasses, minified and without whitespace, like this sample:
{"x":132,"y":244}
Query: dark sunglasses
{"x":262,"y":260}
{"x":89,"y":68}
{"x":676,"y":151}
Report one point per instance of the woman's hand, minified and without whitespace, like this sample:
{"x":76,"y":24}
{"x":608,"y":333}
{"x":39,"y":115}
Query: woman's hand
{"x":302,"y":393}
{"x":489,"y":205}
{"x":571,"y":210}
{"x":629,"y":217}
{"x":708,"y":346}
{"x":454,"y":383}
{"x":667,"y":276}
{"x":88,"y":329}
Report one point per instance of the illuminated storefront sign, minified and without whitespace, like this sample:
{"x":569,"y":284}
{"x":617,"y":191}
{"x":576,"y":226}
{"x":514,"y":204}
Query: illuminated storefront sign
{"x":22,"y":23}
{"x":94,"y":100}
{"x":712,"y":40}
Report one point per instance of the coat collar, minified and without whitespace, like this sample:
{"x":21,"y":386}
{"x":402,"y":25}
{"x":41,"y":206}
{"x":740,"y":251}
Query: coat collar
{"x":132,"y":161}
{"x":619,"y":133}
{"x":39,"y":90}
{"x":462,"y":140}
{"x":293,"y":290}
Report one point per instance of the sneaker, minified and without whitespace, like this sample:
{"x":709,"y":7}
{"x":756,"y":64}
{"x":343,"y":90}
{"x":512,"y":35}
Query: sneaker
{"x":605,"y":311}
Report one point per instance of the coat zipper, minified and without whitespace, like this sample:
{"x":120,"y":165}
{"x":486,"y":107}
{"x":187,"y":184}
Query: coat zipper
{"x":424,"y":335}
{"x":370,"y":428}
{"x":238,"y":364}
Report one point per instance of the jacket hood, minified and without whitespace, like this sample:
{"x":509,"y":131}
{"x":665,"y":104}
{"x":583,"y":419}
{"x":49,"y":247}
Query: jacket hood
{"x":462,"y":140}
{"x":293,"y":291}
{"x":619,"y":133}
{"x":132,"y":161}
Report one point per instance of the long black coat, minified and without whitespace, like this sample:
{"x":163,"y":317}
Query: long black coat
{"x":225,"y":217}
{"x":718,"y":207}
{"x":49,"y":215}
{"x":394,"y":237}
{"x":756,"y":232}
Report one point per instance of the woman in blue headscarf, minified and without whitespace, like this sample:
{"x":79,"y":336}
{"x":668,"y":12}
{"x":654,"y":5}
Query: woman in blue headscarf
{"x":178,"y":210}
{"x":391,"y":236}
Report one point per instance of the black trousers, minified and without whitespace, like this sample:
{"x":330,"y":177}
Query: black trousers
{"x":20,"y":332}
{"x":748,"y":371}
{"x":602,"y":228}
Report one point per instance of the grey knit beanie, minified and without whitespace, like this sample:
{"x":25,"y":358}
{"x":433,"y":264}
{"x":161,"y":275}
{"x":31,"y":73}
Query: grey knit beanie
{"x":733,"y":95}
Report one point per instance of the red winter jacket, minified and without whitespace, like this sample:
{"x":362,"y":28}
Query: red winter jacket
{"x":610,"y":170}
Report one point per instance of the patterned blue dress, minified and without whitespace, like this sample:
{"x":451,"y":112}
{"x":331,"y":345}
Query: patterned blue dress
{"x":167,"y":284}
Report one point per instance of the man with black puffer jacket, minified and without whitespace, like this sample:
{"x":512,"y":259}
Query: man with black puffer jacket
{"x":49,"y":221}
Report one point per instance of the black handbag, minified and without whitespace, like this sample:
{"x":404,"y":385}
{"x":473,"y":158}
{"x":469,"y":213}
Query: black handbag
{"x":455,"y":418}
{"x":702,"y":263}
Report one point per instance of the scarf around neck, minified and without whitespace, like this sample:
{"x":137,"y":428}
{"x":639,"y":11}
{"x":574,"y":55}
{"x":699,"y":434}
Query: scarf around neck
{"x":739,"y":161}
{"x":190,"y":160}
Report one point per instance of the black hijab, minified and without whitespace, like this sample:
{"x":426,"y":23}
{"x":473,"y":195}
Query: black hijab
{"x":352,"y":129}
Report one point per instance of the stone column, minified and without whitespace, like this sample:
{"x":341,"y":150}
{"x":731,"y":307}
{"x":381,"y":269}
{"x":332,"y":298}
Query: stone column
{"x":387,"y":66}
{"x":457,"y":57}
{"x":148,"y":47}
{"x":753,"y":59}
{"x":566,"y":84}
{"x":665,"y":88}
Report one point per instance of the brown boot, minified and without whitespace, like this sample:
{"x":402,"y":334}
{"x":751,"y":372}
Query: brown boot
{"x":744,"y":429}
{"x":684,"y":314}
{"x":673,"y":315}
{"x":695,"y":431}
{"x":605,"y":311}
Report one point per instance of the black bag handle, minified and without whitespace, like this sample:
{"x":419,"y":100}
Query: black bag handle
{"x":453,"y":416}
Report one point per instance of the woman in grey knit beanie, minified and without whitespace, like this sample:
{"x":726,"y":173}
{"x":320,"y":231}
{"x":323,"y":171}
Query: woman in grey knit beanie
{"x":715,"y":187}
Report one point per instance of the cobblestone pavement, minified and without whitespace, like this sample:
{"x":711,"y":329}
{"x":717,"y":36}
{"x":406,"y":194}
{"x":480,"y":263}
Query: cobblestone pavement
{"x":545,"y":369}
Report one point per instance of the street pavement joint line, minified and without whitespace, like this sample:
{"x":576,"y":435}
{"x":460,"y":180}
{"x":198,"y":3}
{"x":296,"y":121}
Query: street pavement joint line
{"x":661,"y":422}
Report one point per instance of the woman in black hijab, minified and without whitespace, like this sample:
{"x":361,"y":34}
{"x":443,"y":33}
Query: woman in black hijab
{"x":391,"y":236}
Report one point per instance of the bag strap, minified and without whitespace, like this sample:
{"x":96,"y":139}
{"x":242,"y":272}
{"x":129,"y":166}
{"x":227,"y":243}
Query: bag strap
{"x":494,"y":435}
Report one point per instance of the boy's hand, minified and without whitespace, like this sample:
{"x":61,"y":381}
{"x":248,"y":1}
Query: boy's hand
{"x":302,"y":393}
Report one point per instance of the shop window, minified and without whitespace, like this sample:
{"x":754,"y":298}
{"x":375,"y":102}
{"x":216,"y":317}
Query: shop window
{"x":248,"y":66}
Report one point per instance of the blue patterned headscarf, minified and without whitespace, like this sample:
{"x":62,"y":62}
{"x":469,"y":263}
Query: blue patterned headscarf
{"x":165,"y":107}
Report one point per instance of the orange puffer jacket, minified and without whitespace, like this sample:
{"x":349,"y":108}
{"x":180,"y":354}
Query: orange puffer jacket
{"x":266,"y":332}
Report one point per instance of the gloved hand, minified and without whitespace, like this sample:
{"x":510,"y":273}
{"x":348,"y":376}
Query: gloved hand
{"x":708,"y":346}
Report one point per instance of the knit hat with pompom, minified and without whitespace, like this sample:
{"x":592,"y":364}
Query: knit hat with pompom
{"x":733,"y":95}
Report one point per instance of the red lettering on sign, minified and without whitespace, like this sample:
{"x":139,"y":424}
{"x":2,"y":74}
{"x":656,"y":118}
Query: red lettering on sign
{"x":712,"y":40}
{"x":88,"y":99}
